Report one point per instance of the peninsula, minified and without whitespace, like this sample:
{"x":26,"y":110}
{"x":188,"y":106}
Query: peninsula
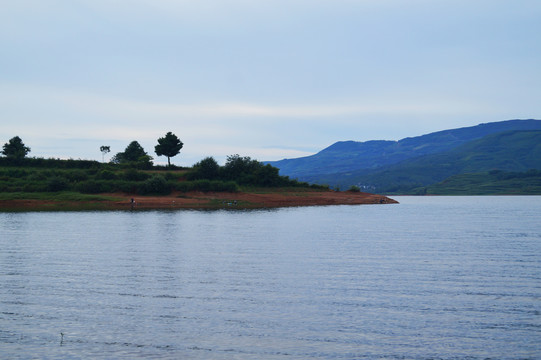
{"x":262,"y":198}
{"x":37,"y":184}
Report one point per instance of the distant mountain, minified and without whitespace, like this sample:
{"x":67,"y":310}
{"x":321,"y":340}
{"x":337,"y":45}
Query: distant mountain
{"x":387,"y":166}
{"x":507,"y":151}
{"x":494,"y":182}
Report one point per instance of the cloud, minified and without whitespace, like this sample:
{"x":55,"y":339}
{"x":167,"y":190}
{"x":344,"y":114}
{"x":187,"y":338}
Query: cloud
{"x":264,"y":131}
{"x":272,"y":77}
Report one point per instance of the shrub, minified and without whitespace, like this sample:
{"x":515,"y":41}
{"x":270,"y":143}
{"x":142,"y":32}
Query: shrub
{"x":207,"y":168}
{"x":106,"y":175}
{"x":38,"y":176}
{"x":268,"y":176}
{"x":90,"y":187}
{"x":17,"y":173}
{"x":127,"y":186}
{"x":35,"y":187}
{"x":48,"y":173}
{"x":50,"y":163}
{"x":134,"y":175}
{"x":228,"y":186}
{"x":155,"y":185}
{"x":76,"y":175}
{"x":202,"y":185}
{"x":56,"y":184}
{"x":318,"y":186}
{"x":183,"y":186}
{"x":205,"y":185}
{"x":171,"y":176}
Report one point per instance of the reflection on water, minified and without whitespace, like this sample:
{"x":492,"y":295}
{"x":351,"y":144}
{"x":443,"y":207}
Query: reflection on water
{"x":449,"y":278}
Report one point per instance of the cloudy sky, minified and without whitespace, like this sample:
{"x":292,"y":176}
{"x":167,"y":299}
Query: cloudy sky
{"x":269,"y":79}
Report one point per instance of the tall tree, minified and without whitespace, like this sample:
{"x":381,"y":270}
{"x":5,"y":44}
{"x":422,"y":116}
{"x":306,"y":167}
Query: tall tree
{"x":207,"y":168}
{"x":104,"y":150}
{"x":169,"y":146}
{"x":134,"y":153}
{"x":15,"y":148}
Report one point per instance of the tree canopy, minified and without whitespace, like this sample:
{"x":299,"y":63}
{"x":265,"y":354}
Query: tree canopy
{"x":207,"y":168}
{"x":134,"y":153}
{"x":104,"y":150}
{"x":169,"y":146}
{"x":15,"y":148}
{"x":242,"y":170}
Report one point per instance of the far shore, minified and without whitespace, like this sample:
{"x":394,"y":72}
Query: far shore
{"x":200,"y":200}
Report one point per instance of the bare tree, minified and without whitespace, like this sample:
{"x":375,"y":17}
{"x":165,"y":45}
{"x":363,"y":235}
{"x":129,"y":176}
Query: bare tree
{"x":104,"y":150}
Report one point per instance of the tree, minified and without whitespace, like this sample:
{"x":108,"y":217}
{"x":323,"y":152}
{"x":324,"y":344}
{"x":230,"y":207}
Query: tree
{"x":134,"y":153}
{"x":238,"y":167}
{"x":15,"y":148}
{"x":207,"y":168}
{"x":104,"y":150}
{"x":169,"y":146}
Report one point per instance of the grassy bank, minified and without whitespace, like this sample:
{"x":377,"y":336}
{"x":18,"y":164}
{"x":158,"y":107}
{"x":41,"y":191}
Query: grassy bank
{"x":89,"y":177}
{"x":54,"y":183}
{"x":488,"y":183}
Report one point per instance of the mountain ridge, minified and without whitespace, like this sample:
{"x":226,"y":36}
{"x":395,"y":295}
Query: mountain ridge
{"x":347,"y":163}
{"x":344,"y":156}
{"x":507,"y":151}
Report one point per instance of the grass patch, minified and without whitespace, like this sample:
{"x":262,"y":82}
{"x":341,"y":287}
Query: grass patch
{"x":491,"y":183}
{"x":283,"y":190}
{"x":59,"y":196}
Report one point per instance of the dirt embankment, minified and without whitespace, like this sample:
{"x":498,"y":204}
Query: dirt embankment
{"x":208,"y":200}
{"x":261,"y":200}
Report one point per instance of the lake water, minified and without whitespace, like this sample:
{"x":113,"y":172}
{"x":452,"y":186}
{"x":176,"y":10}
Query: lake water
{"x":429,"y":278}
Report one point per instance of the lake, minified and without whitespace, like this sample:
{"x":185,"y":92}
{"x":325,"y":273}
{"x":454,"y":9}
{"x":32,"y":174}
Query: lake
{"x":429,"y":278}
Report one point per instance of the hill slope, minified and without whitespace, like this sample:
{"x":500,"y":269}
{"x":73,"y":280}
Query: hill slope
{"x":494,"y":182}
{"x":330,"y":165}
{"x":508,"y":151}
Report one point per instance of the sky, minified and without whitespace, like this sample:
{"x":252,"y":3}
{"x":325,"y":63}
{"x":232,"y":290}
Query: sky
{"x":269,"y":79}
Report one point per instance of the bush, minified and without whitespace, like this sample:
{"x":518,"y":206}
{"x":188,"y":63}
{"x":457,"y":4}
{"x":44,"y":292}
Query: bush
{"x":155,"y":185}
{"x":50,"y":163}
{"x":207,"y":168}
{"x":134,"y":175}
{"x":228,"y":186}
{"x":106,"y":175}
{"x":202,"y":185}
{"x":56,"y":184}
{"x":34,"y":187}
{"x":171,"y":176}
{"x":37,"y":176}
{"x":17,"y":173}
{"x":183,"y":186}
{"x":76,"y":175}
{"x":126,"y":186}
{"x":90,"y":187}
{"x":206,"y":185}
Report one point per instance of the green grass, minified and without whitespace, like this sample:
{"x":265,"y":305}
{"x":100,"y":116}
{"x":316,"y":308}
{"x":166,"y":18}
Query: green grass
{"x":59,"y":196}
{"x":491,"y":183}
{"x":60,"y":201}
{"x":507,"y":151}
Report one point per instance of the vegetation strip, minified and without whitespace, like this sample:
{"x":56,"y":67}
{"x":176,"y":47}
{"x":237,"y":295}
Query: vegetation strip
{"x":54,"y":184}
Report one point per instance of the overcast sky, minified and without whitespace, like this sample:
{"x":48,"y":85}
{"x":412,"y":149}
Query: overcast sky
{"x":269,"y":79}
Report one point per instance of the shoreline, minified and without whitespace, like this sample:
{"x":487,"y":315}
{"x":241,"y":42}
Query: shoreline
{"x":201,"y":200}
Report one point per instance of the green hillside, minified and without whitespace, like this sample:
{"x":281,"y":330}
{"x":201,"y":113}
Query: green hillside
{"x":354,"y":156}
{"x":42,"y":176}
{"x":516,"y":151}
{"x":490,"y":183}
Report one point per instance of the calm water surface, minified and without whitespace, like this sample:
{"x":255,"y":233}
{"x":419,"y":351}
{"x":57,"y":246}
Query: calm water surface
{"x":430,"y":278}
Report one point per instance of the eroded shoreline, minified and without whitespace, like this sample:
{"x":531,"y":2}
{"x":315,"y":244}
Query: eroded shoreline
{"x":201,"y":200}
